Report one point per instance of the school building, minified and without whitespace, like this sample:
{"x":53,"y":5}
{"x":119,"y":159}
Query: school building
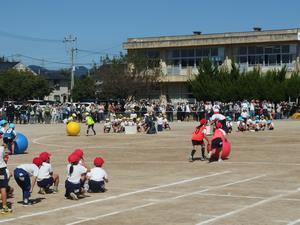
{"x":180,"y":55}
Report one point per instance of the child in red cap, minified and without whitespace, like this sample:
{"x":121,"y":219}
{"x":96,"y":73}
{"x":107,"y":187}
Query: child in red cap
{"x":22,"y":175}
{"x":97,"y":177}
{"x":46,"y":178}
{"x":76,"y":174}
{"x":217,"y":141}
{"x":198,"y":137}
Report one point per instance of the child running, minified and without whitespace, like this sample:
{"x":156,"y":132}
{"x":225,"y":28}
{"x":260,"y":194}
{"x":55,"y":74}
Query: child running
{"x":3,"y":182}
{"x":198,"y":137}
{"x":90,"y":124}
{"x":22,"y":175}
{"x":46,"y":178}
{"x":97,"y":177}
{"x":217,"y":142}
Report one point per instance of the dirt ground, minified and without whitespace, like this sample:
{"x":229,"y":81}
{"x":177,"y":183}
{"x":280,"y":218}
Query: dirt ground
{"x":152,"y":182}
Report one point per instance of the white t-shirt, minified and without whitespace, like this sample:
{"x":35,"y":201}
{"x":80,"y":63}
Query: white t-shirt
{"x":217,"y":116}
{"x":97,"y":174}
{"x":31,"y":169}
{"x":159,"y":120}
{"x":244,"y":115}
{"x":2,"y":153}
{"x":44,"y":172}
{"x":78,"y":170}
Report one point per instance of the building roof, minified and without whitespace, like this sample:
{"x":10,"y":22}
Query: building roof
{"x":199,"y":39}
{"x":54,"y":76}
{"x":7,"y":65}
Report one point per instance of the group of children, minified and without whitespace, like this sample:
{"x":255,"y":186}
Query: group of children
{"x":257,"y":123}
{"x":199,"y":137}
{"x":80,"y":178}
{"x":117,"y":125}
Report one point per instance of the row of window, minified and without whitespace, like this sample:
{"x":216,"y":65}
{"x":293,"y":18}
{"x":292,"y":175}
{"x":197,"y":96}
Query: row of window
{"x":196,"y":52}
{"x":260,"y":50}
{"x":274,"y":59}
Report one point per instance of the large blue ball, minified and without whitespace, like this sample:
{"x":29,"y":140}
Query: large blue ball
{"x":21,"y":143}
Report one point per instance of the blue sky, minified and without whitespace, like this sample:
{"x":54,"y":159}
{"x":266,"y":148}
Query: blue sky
{"x":103,"y":26}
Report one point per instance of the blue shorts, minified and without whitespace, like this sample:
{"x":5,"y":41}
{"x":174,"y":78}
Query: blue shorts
{"x":3,"y":178}
{"x":96,"y":186}
{"x":71,"y":187}
{"x":45,"y":183}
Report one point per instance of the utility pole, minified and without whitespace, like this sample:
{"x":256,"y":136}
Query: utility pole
{"x":72,"y":49}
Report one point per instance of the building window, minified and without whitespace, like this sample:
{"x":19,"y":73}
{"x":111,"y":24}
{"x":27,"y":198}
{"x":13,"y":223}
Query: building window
{"x":265,"y":55}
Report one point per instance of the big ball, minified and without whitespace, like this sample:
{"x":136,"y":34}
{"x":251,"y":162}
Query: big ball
{"x":226,"y":149}
{"x":21,"y":143}
{"x":73,"y":128}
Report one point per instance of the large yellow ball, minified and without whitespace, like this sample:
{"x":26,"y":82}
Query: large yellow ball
{"x":73,"y":128}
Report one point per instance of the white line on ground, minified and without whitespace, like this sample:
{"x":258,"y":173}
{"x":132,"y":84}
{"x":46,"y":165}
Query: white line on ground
{"x":234,"y":196}
{"x":221,"y":186}
{"x":270,"y":199}
{"x":294,"y":222}
{"x":115,"y":196}
{"x":168,"y":199}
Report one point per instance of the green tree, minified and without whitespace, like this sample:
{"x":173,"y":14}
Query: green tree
{"x":16,"y":85}
{"x":84,"y":88}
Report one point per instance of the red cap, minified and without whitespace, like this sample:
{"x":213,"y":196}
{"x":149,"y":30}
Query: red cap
{"x":98,"y":161}
{"x":45,"y":156}
{"x":37,"y":161}
{"x":6,"y":157}
{"x":218,"y":125}
{"x":203,"y":121}
{"x":78,"y":152}
{"x":73,"y":158}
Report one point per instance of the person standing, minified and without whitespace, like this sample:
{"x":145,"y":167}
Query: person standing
{"x":3,"y":182}
{"x":90,"y":124}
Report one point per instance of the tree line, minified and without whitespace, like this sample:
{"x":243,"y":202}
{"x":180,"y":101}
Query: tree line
{"x":213,"y":83}
{"x":120,"y":77}
{"x":22,"y":85}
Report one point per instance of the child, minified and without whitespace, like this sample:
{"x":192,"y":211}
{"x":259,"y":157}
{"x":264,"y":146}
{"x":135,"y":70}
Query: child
{"x":217,"y":141}
{"x":159,"y":123}
{"x":9,"y":137}
{"x":9,"y":189}
{"x":107,"y":126}
{"x":3,"y":182}
{"x":22,"y":176}
{"x":97,"y":177}
{"x":3,"y":124}
{"x":198,"y":137}
{"x":166,"y":123}
{"x":262,"y":123}
{"x":90,"y":123}
{"x":270,"y":125}
{"x":76,"y":173}
{"x":229,"y":124}
{"x":46,"y":178}
{"x":241,"y":125}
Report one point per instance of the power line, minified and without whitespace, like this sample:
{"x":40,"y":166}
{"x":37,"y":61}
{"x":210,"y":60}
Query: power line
{"x":47,"y":60}
{"x":28,"y":38}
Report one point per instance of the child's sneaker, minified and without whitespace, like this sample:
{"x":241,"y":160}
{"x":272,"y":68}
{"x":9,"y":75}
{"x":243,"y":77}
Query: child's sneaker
{"x":42,"y":191}
{"x":6,"y":210}
{"x":220,"y":160}
{"x":73,"y":196}
{"x":26,"y":202}
{"x":191,"y":159}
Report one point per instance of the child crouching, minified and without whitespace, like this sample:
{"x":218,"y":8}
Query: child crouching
{"x":97,"y":177}
{"x":76,"y":174}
